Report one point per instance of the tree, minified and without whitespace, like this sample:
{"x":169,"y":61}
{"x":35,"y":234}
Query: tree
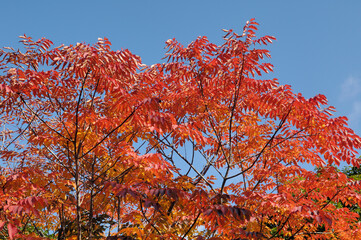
{"x":97,"y":145}
{"x":354,"y":173}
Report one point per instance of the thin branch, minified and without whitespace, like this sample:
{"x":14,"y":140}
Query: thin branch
{"x":190,"y":228}
{"x":193,"y":168}
{"x":143,"y":213}
{"x":109,"y":133}
{"x":265,"y":146}
{"x":42,"y":120}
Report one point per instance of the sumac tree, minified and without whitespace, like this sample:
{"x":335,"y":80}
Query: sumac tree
{"x":97,"y":145}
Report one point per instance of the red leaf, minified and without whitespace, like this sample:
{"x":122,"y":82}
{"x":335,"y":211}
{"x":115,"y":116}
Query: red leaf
{"x":12,"y":230}
{"x":21,"y":75}
{"x":1,"y":225}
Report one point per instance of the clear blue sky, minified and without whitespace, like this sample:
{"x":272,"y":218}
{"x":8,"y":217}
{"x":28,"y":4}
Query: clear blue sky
{"x":318,"y":45}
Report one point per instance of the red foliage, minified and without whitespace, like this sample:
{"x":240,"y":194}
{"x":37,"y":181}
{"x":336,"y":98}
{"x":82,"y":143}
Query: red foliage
{"x":194,"y":148}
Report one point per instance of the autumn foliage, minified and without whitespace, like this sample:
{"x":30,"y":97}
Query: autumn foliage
{"x":96,"y":145}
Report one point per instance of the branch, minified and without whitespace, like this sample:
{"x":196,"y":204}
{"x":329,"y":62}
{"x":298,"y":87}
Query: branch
{"x":143,"y":213}
{"x":194,"y":169}
{"x":266,"y":145}
{"x":194,"y":223}
{"x":109,"y":133}
{"x":46,"y":124}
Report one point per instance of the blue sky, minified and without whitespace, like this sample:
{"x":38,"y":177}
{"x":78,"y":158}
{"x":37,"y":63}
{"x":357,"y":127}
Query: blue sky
{"x":318,"y":45}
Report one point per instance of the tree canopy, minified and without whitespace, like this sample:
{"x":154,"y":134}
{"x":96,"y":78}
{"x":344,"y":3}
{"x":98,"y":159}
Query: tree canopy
{"x":97,"y":145}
